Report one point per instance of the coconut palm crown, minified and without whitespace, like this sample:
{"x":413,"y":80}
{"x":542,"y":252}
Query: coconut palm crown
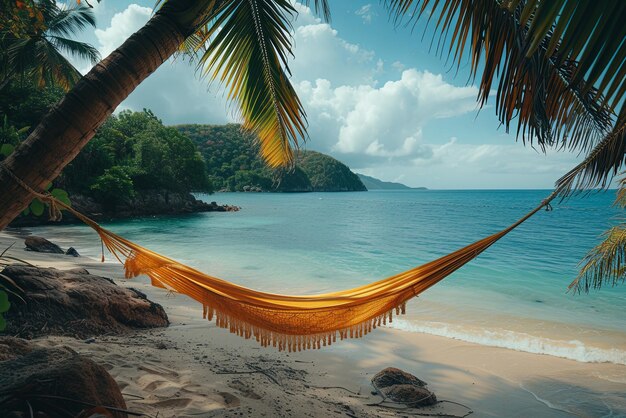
{"x":33,"y":38}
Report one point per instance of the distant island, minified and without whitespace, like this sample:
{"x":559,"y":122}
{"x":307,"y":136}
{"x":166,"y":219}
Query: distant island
{"x":234,"y":165}
{"x":375,"y":184}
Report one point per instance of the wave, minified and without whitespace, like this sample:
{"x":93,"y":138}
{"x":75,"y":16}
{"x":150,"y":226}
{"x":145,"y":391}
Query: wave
{"x":573,"y":349}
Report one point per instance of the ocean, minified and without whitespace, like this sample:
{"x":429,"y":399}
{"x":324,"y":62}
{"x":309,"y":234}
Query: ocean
{"x":514,"y":295}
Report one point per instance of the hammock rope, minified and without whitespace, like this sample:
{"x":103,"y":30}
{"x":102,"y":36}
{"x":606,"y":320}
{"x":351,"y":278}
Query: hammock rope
{"x":287,"y":322}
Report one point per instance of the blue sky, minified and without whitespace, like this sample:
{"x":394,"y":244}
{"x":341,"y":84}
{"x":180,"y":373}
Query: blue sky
{"x":376,"y":99}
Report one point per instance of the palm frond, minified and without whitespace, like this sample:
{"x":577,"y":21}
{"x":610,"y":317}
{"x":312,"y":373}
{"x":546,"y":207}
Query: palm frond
{"x":71,"y":20}
{"x":53,"y":68}
{"x":600,"y":166}
{"x":589,"y":32}
{"x":249,"y":45}
{"x":604,"y":264}
{"x":321,"y":7}
{"x":525,"y":47}
{"x":76,"y":48}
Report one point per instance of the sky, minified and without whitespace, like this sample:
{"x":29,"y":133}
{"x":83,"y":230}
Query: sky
{"x":376,"y":99}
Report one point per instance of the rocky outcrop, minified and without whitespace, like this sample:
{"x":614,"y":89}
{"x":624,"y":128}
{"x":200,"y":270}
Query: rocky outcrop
{"x":402,"y":387}
{"x":54,"y":382}
{"x":76,"y":303}
{"x":41,"y":245}
{"x":150,"y":203}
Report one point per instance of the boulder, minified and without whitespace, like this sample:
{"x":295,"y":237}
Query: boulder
{"x":76,"y":303}
{"x":72,"y":251}
{"x":392,"y":376}
{"x":56,"y":382}
{"x":399,"y":386}
{"x":410,"y":394}
{"x":41,"y":245}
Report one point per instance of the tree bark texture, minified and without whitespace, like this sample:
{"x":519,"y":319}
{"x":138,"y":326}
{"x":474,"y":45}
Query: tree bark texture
{"x":67,"y":128}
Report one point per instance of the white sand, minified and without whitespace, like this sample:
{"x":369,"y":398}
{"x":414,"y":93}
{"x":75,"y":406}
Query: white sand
{"x":205,"y":371}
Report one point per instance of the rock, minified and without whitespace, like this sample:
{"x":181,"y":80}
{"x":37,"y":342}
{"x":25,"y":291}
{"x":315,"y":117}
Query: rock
{"x":146,"y":203}
{"x":402,"y":387}
{"x":392,"y":376}
{"x":410,"y":394}
{"x":41,"y":245}
{"x":76,"y":303}
{"x":60,"y":373}
{"x":72,"y":251}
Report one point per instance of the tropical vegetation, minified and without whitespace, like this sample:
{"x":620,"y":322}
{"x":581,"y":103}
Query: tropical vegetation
{"x":134,"y":152}
{"x":34,"y":37}
{"x":557,"y":69}
{"x":234,"y":164}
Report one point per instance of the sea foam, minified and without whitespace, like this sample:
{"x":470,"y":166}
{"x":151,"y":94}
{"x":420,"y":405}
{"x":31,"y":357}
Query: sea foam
{"x":573,"y":349}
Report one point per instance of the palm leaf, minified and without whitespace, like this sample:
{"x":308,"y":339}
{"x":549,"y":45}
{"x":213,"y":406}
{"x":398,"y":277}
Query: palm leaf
{"x":604,"y":264}
{"x":249,"y":42}
{"x":70,"y":20}
{"x":528,"y":49}
{"x":321,"y":7}
{"x":54,"y":68}
{"x":601,"y":164}
{"x":78,"y":49}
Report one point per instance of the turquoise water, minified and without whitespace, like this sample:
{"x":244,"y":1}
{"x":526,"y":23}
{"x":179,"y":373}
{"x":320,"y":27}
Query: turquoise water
{"x":514,"y":295}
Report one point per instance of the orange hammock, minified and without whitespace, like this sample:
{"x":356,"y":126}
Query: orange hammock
{"x":287,"y":322}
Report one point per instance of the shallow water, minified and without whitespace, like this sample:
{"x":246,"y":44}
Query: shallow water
{"x":514,"y":295}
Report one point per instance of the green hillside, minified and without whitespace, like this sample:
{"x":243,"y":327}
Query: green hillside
{"x":233,"y":164}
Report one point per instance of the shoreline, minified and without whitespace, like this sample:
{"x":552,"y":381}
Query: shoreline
{"x":436,"y":314}
{"x":492,"y":381}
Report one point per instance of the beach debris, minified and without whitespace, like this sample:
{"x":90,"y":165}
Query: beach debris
{"x":41,"y":245}
{"x":77,"y":304}
{"x":398,"y":386}
{"x":57,"y":382}
{"x":72,"y":251}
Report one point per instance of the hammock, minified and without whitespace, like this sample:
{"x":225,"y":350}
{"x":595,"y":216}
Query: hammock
{"x":287,"y":322}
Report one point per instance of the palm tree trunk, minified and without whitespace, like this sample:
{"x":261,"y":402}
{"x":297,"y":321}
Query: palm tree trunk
{"x":67,"y":128}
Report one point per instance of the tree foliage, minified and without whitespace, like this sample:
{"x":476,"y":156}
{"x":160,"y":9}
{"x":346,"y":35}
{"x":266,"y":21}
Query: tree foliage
{"x":234,"y":164}
{"x":132,"y":152}
{"x":34,"y":34}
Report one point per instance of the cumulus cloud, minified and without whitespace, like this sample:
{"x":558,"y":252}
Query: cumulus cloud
{"x":122,"y":26}
{"x":385,"y":122}
{"x":321,"y":53}
{"x":173,"y":92}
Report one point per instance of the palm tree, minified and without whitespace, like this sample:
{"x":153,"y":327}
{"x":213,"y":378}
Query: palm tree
{"x":33,"y":50}
{"x":557,"y":67}
{"x":249,"y":54}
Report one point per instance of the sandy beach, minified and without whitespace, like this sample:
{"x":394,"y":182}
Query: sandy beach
{"x":193,"y":368}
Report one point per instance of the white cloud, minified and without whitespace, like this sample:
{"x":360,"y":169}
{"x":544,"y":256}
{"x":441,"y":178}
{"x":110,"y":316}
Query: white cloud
{"x":366,"y":13}
{"x":173,"y":91}
{"x":386,"y":122}
{"x":123,"y":25}
{"x":321,"y":53}
{"x":456,"y":164}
